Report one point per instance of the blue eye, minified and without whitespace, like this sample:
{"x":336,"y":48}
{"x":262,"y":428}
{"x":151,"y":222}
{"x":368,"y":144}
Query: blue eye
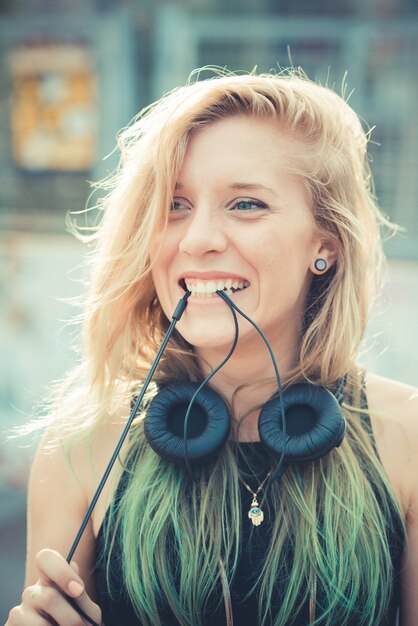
{"x":249,"y":205}
{"x":178,"y":208}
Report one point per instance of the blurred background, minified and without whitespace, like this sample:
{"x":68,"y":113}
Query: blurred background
{"x":73,"y":72}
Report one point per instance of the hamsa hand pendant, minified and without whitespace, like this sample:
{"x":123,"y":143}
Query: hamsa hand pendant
{"x":255,"y":514}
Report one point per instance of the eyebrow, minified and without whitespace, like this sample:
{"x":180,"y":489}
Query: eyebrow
{"x":240,"y":186}
{"x":253,"y":186}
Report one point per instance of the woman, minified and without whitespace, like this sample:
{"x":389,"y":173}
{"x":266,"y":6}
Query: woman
{"x":256,"y":186}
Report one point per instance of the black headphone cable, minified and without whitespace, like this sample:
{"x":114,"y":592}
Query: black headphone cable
{"x":179,"y":310}
{"x":233,"y":307}
{"x":280,"y":466}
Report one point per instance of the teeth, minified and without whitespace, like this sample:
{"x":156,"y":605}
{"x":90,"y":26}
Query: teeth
{"x":201,"y":289}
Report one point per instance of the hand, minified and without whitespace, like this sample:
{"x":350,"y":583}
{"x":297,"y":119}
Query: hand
{"x":49,"y":600}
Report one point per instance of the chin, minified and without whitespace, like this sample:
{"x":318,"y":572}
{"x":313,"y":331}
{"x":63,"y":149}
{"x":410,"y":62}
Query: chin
{"x":211,"y":329}
{"x":213,"y":343}
{"x":203,"y":340}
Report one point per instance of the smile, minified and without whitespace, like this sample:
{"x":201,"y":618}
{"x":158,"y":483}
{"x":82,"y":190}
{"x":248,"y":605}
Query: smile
{"x":208,"y":288}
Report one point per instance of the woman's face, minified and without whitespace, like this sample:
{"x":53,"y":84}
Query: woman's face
{"x":241,"y":222}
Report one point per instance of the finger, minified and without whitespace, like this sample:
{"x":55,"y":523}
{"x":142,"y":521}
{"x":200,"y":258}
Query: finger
{"x":84,"y":602}
{"x":85,"y":606}
{"x":54,"y":568}
{"x":18,"y":616}
{"x":50,"y":603}
{"x":85,"y":617}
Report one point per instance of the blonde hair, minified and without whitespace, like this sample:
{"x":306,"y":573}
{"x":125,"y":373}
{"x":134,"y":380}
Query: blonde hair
{"x":124,"y":322}
{"x":124,"y":325}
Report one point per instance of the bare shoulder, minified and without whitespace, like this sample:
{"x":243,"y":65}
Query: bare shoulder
{"x":51,"y":475}
{"x":56,"y":501}
{"x":394,"y":415}
{"x":387,"y":394}
{"x":63,"y":478}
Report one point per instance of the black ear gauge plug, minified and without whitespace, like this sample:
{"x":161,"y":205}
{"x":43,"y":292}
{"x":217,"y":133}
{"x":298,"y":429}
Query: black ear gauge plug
{"x":320,"y":265}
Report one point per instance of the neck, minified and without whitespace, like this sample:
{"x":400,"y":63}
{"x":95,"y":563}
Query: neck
{"x":248,"y":380}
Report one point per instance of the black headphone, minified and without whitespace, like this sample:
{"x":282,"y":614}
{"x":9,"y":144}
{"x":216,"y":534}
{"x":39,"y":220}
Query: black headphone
{"x":314,"y":420}
{"x":317,"y":424}
{"x":315,"y":427}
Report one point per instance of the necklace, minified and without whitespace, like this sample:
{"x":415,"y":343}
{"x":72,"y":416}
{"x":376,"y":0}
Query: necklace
{"x":255,"y":514}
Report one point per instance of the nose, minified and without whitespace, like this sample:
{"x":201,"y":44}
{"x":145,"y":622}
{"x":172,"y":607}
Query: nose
{"x":203,"y":234}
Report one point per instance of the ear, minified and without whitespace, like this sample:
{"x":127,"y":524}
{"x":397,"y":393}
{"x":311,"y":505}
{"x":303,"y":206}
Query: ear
{"x":325,"y":256}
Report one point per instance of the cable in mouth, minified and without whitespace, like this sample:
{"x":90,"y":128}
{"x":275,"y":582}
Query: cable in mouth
{"x":229,"y":289}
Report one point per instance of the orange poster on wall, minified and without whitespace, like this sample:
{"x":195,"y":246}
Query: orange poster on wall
{"x":54,"y":108}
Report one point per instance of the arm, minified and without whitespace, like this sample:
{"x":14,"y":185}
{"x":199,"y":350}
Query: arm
{"x":409,"y":610}
{"x":56,"y":507}
{"x":394,"y":410}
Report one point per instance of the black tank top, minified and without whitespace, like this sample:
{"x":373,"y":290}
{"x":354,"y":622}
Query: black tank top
{"x":118,"y":611}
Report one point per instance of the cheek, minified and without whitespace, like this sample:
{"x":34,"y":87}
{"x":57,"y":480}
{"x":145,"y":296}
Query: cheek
{"x":287,"y":262}
{"x":164,"y":245}
{"x":160,"y":255}
{"x":271,"y":255}
{"x":156,"y":246}
{"x":159,"y":278}
{"x":159,"y":275}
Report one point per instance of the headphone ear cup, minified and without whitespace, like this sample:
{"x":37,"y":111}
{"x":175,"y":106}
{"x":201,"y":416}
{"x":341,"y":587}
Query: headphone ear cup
{"x":315,"y":423}
{"x":209,"y":423}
